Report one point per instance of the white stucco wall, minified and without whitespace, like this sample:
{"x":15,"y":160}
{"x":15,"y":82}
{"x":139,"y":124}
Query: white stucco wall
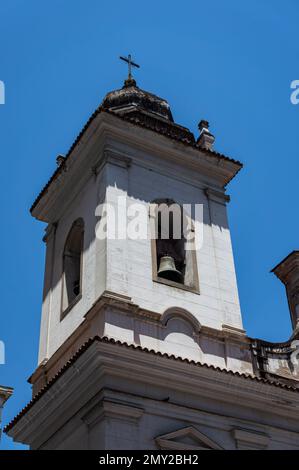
{"x":125,"y":266}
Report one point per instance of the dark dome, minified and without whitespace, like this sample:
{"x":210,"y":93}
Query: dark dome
{"x":130,"y":98}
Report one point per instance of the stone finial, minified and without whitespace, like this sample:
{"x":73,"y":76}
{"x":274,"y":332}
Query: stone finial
{"x":287,"y":272}
{"x":129,"y":82}
{"x":60,"y":159}
{"x":203,"y":124}
{"x":205,"y":139}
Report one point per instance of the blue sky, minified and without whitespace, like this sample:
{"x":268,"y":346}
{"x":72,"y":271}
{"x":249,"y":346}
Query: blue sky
{"x":229,"y":62}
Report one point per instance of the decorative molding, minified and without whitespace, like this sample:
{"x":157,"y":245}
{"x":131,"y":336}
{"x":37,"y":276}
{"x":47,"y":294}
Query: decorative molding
{"x":217,"y":196}
{"x":177,"y":440}
{"x":232,"y":330}
{"x":115,"y":296}
{"x":125,"y":306}
{"x":114,"y":158}
{"x":276,"y":360}
{"x":113,"y":410}
{"x":177,"y":285}
{"x":117,"y":158}
{"x":50,"y":231}
{"x":101,"y":360}
{"x":250,"y":440}
{"x":178,"y":312}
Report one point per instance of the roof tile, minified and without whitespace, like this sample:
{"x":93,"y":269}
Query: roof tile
{"x":105,"y":339}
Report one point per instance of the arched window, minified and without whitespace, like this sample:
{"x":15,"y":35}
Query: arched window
{"x":172,"y":263}
{"x":72,"y":265}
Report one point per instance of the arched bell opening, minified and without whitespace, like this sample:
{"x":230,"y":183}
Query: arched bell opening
{"x":172,"y":263}
{"x":72,"y":266}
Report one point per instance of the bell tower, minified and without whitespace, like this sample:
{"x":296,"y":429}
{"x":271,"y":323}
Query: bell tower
{"x":148,"y":291}
{"x":142,"y":344}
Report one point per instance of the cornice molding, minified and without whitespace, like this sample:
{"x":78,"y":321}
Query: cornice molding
{"x":217,"y":196}
{"x":126,"y":306}
{"x":248,"y":439}
{"x":114,"y":158}
{"x":105,"y":408}
{"x":83,"y":161}
{"x":288,"y":268}
{"x":100,"y":358}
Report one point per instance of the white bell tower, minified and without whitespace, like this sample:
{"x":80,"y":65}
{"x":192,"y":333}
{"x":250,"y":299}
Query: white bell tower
{"x":131,"y":152}
{"x":142,"y":343}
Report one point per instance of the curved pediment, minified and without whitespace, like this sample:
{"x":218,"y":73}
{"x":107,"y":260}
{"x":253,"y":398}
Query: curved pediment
{"x":181,"y":313}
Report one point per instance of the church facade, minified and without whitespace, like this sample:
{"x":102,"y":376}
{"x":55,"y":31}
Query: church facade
{"x":142,"y":344}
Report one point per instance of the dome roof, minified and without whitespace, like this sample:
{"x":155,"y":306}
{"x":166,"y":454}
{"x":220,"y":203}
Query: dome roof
{"x":130,"y":98}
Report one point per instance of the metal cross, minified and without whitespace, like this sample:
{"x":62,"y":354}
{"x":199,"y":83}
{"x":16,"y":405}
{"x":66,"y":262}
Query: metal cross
{"x":130,"y":64}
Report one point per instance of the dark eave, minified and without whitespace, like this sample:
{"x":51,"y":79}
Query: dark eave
{"x":284,"y":260}
{"x":168,"y":129}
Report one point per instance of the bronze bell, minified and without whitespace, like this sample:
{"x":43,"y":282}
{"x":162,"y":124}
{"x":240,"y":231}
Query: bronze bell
{"x":167,"y":269}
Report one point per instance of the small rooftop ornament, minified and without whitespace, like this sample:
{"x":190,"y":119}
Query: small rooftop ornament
{"x":130,"y":80}
{"x":60,"y":159}
{"x":205,"y":139}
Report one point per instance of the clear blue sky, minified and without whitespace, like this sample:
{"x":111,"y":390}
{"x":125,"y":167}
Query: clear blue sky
{"x":229,"y":62}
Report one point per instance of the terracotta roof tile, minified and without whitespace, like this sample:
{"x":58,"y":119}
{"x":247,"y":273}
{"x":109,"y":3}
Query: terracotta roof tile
{"x":168,"y":129}
{"x":105,"y":339}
